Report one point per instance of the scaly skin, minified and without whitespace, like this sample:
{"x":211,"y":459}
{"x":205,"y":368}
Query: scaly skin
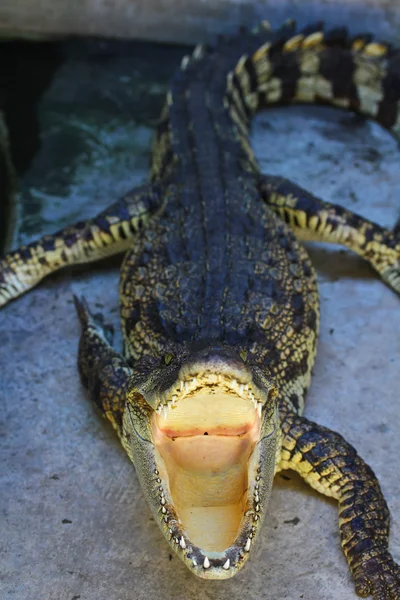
{"x":219,"y":298}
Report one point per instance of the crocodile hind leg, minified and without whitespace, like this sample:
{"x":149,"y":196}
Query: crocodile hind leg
{"x":315,"y":220}
{"x":332,"y":466}
{"x":106,"y":234}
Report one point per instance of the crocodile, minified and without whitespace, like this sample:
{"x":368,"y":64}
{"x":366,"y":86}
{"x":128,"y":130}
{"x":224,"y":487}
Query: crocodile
{"x":220,"y":306}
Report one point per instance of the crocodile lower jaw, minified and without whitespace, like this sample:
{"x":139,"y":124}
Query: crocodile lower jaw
{"x":207,"y":461}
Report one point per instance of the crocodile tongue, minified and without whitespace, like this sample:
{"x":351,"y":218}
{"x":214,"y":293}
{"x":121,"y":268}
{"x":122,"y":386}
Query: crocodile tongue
{"x":205,"y":443}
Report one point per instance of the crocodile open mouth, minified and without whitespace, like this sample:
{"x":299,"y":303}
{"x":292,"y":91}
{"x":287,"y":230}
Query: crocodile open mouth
{"x":205,"y":441}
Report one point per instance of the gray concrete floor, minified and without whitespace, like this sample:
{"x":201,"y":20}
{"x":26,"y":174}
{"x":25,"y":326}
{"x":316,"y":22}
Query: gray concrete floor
{"x":74,"y":522}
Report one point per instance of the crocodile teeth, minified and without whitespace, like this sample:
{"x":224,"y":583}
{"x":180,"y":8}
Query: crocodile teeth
{"x":248,"y":544}
{"x":206,"y":563}
{"x":182,"y":543}
{"x":226,"y":565}
{"x":186,"y":387}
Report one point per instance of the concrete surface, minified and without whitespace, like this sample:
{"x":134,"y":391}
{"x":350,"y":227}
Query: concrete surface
{"x":184,"y":21}
{"x":74,"y":524}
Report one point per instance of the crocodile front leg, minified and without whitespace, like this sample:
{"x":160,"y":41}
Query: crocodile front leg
{"x":104,"y":373}
{"x":313,"y":219}
{"x":332,"y":466}
{"x":110,"y":232}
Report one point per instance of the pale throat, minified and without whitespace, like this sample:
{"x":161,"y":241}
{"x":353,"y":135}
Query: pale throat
{"x":204,"y":446}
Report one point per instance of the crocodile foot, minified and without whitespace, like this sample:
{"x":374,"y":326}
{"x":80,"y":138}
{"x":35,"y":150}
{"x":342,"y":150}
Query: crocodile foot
{"x":86,"y":317}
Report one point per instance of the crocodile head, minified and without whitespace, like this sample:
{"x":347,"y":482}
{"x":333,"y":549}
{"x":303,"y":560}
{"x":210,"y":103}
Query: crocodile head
{"x":203,"y":435}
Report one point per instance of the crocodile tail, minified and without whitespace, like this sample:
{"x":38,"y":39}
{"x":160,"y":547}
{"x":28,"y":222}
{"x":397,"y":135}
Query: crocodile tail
{"x":252,"y":70}
{"x":314,"y":66}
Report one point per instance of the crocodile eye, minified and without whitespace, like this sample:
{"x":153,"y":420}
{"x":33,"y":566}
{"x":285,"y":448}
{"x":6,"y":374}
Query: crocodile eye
{"x":168,"y":358}
{"x":243,"y":355}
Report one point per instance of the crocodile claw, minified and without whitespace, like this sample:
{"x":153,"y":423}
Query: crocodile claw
{"x":96,"y":320}
{"x":82,"y":310}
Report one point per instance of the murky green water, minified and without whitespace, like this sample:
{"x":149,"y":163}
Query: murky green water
{"x":81,"y":117}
